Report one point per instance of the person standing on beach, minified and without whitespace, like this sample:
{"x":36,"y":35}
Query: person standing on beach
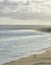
{"x":35,"y":55}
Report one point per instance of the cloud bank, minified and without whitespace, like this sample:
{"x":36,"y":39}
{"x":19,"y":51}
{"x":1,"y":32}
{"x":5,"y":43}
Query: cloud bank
{"x":26,"y":9}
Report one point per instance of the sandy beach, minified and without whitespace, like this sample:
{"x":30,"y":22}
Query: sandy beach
{"x":39,"y":59}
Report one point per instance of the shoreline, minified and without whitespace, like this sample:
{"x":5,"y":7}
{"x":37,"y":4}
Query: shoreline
{"x":40,"y":59}
{"x":24,"y":56}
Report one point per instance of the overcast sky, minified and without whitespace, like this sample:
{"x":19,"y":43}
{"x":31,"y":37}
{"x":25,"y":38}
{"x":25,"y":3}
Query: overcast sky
{"x":25,"y":11}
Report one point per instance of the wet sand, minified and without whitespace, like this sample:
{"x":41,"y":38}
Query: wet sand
{"x":39,"y":59}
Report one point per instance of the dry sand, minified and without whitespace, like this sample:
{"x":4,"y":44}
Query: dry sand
{"x":40,"y":59}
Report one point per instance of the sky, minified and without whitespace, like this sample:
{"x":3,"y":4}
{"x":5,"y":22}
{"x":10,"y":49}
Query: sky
{"x":13,"y":12}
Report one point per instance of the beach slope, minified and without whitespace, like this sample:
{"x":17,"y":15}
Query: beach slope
{"x":40,"y":59}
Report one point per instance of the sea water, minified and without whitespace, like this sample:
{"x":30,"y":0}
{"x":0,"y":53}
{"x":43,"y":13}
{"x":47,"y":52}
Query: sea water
{"x":15,"y":44}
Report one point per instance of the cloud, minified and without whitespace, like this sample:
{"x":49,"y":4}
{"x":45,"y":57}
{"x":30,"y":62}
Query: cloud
{"x":33,"y":9}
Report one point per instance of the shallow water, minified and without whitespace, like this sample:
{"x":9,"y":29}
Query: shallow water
{"x":15,"y":44}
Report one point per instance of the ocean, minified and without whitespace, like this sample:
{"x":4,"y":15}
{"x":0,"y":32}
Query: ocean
{"x":15,"y":44}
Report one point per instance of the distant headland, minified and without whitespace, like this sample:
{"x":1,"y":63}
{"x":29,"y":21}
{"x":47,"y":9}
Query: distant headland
{"x":43,"y":28}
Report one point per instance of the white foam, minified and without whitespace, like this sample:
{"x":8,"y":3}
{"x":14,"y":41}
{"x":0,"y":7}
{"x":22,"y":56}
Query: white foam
{"x":16,"y":31}
{"x":25,"y":47}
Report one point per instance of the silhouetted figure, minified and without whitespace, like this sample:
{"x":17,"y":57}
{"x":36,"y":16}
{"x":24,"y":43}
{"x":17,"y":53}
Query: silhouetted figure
{"x":35,"y":55}
{"x":46,"y":50}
